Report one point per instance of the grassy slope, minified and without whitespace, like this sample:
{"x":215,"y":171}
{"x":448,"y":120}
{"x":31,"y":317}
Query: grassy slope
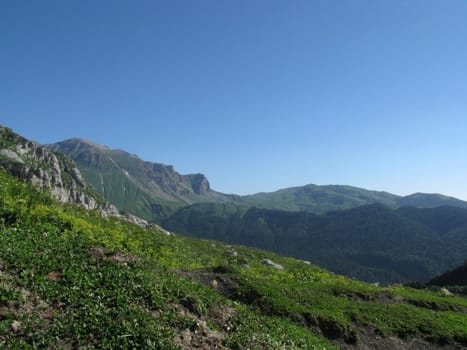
{"x":69,"y":278}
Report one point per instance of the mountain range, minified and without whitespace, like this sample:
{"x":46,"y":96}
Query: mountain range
{"x":154,"y":191}
{"x":368,"y":235}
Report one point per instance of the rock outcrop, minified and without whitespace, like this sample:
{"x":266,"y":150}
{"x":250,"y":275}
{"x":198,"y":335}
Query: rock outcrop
{"x":32,"y":162}
{"x":54,"y":172}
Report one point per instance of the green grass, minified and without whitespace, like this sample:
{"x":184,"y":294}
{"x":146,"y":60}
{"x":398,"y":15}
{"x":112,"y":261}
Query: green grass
{"x":73,"y":279}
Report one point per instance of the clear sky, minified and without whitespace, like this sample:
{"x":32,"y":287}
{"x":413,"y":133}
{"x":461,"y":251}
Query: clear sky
{"x":257,"y":95}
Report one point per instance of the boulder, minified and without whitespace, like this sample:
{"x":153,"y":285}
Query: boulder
{"x":272,"y":264}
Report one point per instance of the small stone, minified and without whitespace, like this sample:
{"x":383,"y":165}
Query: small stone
{"x":54,"y":276}
{"x":15,"y":326}
{"x":445,"y":292}
{"x":4,"y":311}
{"x":232,"y":252}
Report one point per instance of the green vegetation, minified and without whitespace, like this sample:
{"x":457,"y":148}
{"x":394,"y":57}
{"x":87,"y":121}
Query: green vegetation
{"x":373,"y":243}
{"x":69,"y":278}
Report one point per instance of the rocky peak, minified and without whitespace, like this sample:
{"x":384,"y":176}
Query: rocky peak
{"x":200,"y":184}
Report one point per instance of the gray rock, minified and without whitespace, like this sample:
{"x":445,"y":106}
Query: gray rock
{"x":272,"y":264}
{"x":445,"y":292}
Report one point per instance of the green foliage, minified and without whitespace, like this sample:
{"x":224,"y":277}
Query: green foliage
{"x":8,"y":138}
{"x":71,"y":279}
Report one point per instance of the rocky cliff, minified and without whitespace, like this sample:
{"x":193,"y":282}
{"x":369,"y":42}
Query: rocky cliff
{"x":47,"y":170}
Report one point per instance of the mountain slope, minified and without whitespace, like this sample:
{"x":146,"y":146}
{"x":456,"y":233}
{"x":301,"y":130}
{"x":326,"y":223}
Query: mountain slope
{"x":372,"y":243}
{"x":72,"y":279}
{"x":149,"y":190}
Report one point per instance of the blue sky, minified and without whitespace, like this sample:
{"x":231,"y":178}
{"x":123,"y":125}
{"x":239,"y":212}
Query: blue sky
{"x":257,"y":95}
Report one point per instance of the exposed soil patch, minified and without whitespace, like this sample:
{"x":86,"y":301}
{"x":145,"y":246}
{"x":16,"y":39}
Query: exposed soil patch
{"x":386,"y":297}
{"x":370,"y":340}
{"x":109,"y":255}
{"x":230,"y":287}
{"x":383,"y":297}
{"x":216,"y":278}
{"x":200,"y":335}
{"x":23,"y":305}
{"x":436,"y":306}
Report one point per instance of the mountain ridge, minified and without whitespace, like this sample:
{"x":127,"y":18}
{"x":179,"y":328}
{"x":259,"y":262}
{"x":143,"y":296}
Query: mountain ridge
{"x":287,"y":221}
{"x":154,"y":190}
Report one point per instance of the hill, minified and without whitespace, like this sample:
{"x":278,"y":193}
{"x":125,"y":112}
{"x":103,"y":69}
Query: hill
{"x":373,"y":243}
{"x":72,"y":279}
{"x":318,"y":199}
{"x":454,"y":277}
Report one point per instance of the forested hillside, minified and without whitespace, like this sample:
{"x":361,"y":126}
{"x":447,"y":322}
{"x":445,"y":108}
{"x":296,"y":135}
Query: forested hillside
{"x":373,"y":243}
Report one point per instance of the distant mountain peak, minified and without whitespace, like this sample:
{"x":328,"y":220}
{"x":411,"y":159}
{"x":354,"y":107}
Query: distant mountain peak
{"x":143,"y":188}
{"x":82,"y":141}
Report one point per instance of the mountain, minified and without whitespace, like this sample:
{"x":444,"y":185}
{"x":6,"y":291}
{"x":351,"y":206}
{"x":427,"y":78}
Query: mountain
{"x":373,"y":243}
{"x":149,"y":190}
{"x":70,"y":279}
{"x":454,"y":277}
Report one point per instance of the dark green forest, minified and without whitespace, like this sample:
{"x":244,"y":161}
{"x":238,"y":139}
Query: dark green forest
{"x":374,"y":243}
